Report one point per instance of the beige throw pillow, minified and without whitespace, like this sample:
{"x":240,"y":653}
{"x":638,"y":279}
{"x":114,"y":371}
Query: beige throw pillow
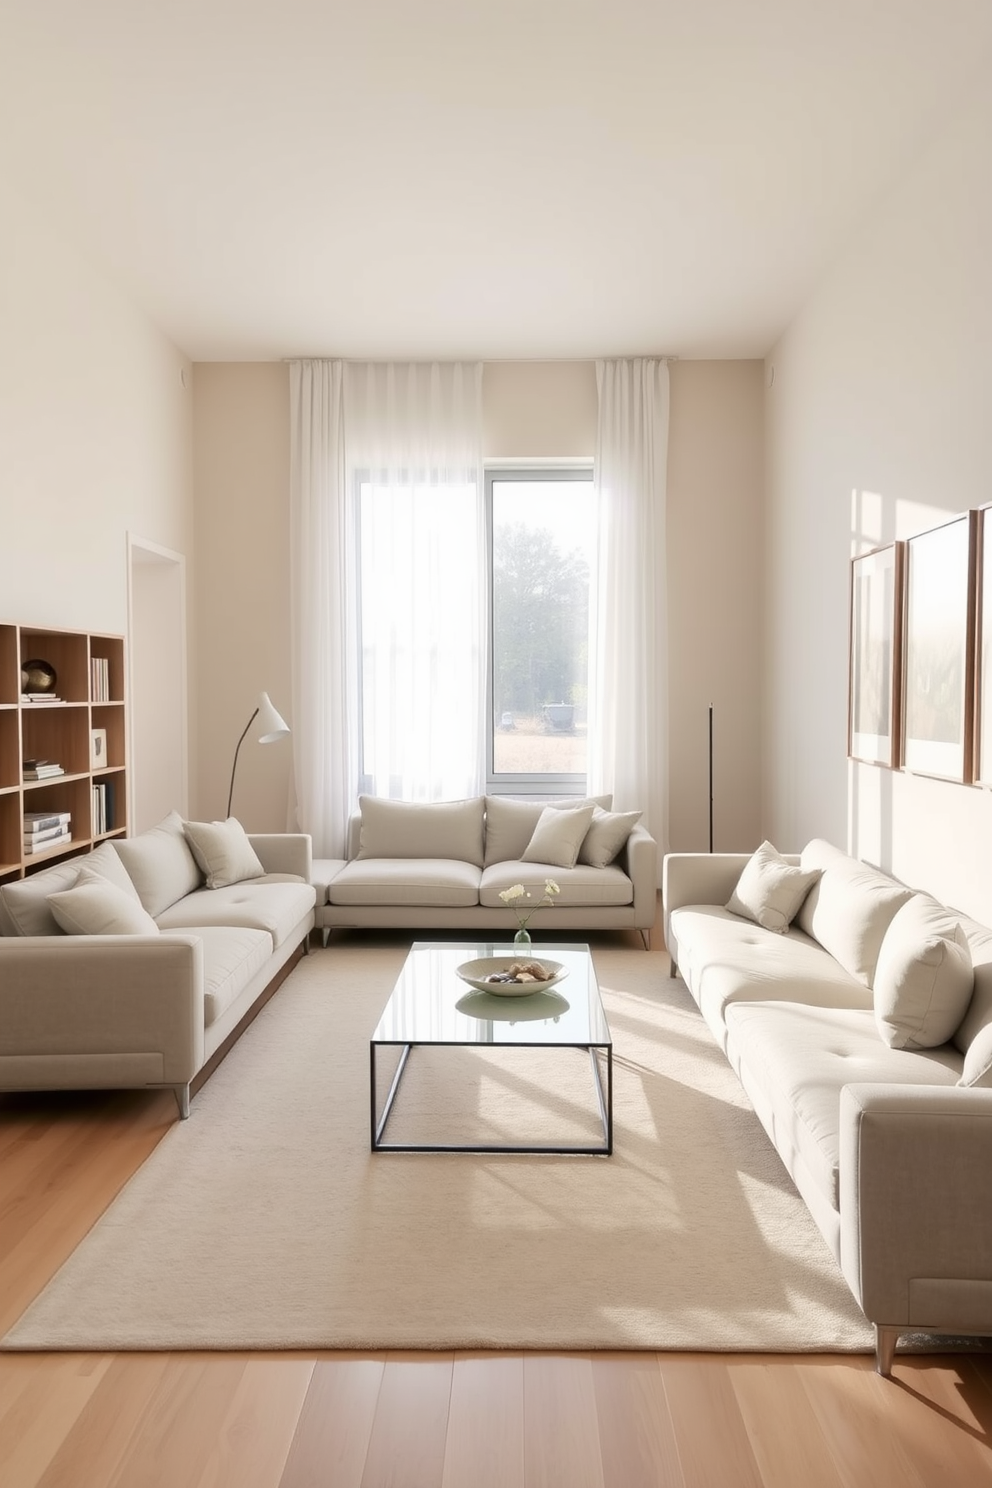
{"x":558,"y":836}
{"x":510,"y":823}
{"x":607,"y":834}
{"x":160,"y":864}
{"x":424,"y":829}
{"x":770,"y":890}
{"x":924,"y":977}
{"x":222,"y":851}
{"x":94,"y":906}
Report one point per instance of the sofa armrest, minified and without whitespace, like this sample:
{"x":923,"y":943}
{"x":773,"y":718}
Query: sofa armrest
{"x":640,"y":857}
{"x":701,"y":878}
{"x":284,"y":852}
{"x":916,"y":1204}
{"x":104,"y":994}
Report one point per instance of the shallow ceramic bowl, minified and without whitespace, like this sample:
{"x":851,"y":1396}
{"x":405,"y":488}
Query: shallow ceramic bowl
{"x":475,"y":973}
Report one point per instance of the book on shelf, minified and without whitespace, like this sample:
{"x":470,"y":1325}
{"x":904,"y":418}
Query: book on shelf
{"x":31,"y":848}
{"x":99,"y":679}
{"x":46,"y":835}
{"x":99,"y":809}
{"x":43,"y":772}
{"x":38,"y":821}
{"x":40,"y":697}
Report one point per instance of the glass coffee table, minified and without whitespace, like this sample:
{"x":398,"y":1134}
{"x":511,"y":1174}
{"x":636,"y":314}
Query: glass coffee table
{"x":431,"y":1006}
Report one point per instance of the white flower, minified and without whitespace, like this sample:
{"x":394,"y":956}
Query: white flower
{"x":550,"y":887}
{"x":515,"y":891}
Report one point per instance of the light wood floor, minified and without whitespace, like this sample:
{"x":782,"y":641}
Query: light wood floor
{"x":388,"y":1420}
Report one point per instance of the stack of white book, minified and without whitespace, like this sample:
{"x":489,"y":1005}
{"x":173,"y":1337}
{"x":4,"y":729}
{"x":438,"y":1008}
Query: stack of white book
{"x":45,"y":829}
{"x":41,"y":769}
{"x":99,"y":679}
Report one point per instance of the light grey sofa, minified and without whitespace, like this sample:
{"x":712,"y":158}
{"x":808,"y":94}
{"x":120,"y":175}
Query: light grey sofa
{"x":890,"y":1147}
{"x":160,"y":1008}
{"x":443,"y":865}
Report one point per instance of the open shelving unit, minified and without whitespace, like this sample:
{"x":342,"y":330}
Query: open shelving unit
{"x":90,"y":696}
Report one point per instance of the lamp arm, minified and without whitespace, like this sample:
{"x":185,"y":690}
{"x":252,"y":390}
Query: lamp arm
{"x":230,"y":794}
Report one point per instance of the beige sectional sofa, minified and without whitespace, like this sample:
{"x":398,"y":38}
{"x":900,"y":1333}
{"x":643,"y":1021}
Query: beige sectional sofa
{"x":158,"y":999}
{"x":443,"y":866}
{"x":860,"y":1026}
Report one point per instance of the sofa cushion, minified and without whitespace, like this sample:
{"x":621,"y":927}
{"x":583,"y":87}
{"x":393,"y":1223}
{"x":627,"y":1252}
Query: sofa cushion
{"x":222,"y":851}
{"x":770,"y":890}
{"x":725,"y":960}
{"x":276,"y":908}
{"x":322,"y":871}
{"x":795,"y":1060}
{"x":432,"y":829}
{"x":924,"y":978}
{"x":232,"y":955}
{"x":510,"y":823}
{"x":446,"y":882}
{"x":93,"y":906}
{"x":580,"y":886}
{"x":558,"y":835}
{"x":606,"y":836}
{"x":849,"y":908}
{"x":26,"y":901}
{"x":160,"y":864}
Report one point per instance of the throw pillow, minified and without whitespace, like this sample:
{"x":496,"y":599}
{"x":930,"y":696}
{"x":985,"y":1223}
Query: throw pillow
{"x":770,"y":891}
{"x":607,"y":834}
{"x":160,"y":864}
{"x":924,"y":977}
{"x":222,"y":851}
{"x":558,"y":836}
{"x":94,"y":906}
{"x":510,"y":823}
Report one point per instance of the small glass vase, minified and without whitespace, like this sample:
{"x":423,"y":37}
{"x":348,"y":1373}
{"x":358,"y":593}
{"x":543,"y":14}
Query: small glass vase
{"x":522,"y":937}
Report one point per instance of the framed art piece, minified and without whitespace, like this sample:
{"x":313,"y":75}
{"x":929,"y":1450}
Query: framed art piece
{"x":876,"y":659}
{"x":983,"y":650}
{"x":938,"y":650}
{"x":98,"y":748}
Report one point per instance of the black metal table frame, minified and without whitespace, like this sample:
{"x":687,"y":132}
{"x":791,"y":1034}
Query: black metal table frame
{"x":378,"y":1125}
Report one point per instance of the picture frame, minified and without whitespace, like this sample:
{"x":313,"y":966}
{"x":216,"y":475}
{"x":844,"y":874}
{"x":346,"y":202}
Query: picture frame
{"x":875,"y":692}
{"x":938,"y":702}
{"x":98,"y":749}
{"x":983,"y":650}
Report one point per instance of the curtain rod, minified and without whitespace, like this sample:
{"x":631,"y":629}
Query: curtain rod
{"x":640,"y":356}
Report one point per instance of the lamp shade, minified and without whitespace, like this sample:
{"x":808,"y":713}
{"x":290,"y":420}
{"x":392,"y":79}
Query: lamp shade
{"x":269,"y":726}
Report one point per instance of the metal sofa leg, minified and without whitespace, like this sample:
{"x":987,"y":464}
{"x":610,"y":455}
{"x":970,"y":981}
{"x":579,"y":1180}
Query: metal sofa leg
{"x":646,"y":937}
{"x":182,"y":1100}
{"x":886,"y":1339}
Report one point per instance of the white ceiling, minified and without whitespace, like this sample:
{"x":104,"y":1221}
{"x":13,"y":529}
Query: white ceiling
{"x":484,"y":178}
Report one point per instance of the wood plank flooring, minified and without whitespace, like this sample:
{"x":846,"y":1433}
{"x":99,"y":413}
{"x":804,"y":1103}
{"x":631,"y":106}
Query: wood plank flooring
{"x":445,"y":1420}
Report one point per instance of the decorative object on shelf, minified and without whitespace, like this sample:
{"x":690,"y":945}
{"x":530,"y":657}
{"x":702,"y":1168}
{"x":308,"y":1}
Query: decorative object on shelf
{"x":517,"y":898}
{"x":509,"y":976}
{"x":268,"y":728}
{"x":38,"y":676}
{"x":938,"y":650}
{"x":98,"y":749}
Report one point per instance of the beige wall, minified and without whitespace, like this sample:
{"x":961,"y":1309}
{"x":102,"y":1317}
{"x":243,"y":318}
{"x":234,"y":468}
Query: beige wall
{"x":878,"y":426}
{"x":535,"y":411}
{"x":95,"y":433}
{"x":715,"y":493}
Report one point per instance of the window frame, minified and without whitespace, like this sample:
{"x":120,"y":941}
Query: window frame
{"x":520,"y":784}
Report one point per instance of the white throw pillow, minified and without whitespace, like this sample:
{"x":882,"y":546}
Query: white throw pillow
{"x":770,"y":890}
{"x":924,"y":977}
{"x":94,"y":906}
{"x":607,"y":834}
{"x":510,"y":823}
{"x":223,"y":852}
{"x":558,"y":836}
{"x":160,"y":864}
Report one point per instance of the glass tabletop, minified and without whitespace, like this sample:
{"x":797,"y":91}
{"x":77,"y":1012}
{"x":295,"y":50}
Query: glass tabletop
{"x":430,"y":1004}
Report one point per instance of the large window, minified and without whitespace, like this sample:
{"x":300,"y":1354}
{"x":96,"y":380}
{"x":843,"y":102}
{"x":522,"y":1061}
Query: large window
{"x":542,"y":545}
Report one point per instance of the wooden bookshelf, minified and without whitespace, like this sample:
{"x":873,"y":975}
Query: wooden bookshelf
{"x":89,"y":687}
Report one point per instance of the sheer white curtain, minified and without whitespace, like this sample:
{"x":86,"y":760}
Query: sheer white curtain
{"x":389,"y":586}
{"x":628,"y":647}
{"x":324,"y":617}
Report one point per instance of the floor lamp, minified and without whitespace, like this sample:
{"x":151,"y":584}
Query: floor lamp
{"x":268,"y":728}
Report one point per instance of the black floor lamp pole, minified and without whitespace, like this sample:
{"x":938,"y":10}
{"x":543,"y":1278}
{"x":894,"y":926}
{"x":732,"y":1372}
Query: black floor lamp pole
{"x":711,"y":777}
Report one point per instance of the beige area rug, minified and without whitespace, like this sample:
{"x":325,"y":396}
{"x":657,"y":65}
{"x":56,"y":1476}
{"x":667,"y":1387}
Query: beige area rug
{"x":265,"y":1222}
